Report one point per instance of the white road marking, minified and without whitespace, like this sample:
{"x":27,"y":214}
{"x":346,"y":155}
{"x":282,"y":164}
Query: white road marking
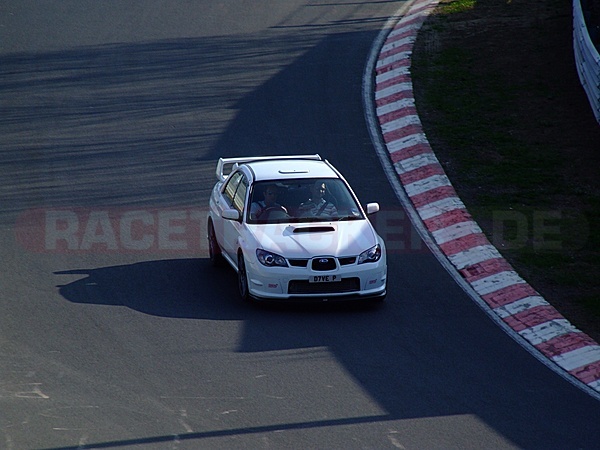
{"x":394,"y":440}
{"x":545,"y":331}
{"x":433,"y":209}
{"x":403,"y":29}
{"x":578,"y":358}
{"x":35,"y":392}
{"x":520,"y":305}
{"x":474,"y":255}
{"x":456,"y":231}
{"x":496,"y":282}
{"x":400,"y":42}
{"x":391,"y":74}
{"x":394,"y":59}
{"x":406,"y":142}
{"x":399,"y":123}
{"x":399,"y":105}
{"x":183,"y":423}
{"x":415,"y":162}
{"x":427,"y":184}
{"x":394,"y":89}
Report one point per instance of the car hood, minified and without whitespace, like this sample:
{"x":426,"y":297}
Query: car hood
{"x":305,"y":240}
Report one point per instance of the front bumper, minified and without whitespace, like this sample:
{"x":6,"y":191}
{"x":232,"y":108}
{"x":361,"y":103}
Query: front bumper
{"x":358,"y":282}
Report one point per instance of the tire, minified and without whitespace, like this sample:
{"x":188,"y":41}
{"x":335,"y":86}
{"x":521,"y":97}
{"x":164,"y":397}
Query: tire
{"x":243,"y":279}
{"x":214,"y":251}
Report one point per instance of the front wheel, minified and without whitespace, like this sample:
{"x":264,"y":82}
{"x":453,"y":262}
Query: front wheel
{"x":243,"y":278}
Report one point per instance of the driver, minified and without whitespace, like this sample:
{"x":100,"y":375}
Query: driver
{"x":269,"y":202}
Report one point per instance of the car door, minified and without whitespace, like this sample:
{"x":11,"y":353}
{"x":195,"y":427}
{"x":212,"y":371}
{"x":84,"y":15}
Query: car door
{"x":223,"y":201}
{"x":235,"y":196}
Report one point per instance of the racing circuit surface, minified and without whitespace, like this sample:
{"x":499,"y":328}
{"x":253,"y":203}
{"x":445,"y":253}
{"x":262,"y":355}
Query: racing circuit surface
{"x":115,"y":330}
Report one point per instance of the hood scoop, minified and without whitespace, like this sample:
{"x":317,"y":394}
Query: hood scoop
{"x":320,"y":229}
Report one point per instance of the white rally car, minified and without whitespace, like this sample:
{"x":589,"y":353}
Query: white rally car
{"x":293,"y":229}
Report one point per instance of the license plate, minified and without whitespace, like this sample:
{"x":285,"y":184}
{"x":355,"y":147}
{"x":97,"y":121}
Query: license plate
{"x":324,"y":278}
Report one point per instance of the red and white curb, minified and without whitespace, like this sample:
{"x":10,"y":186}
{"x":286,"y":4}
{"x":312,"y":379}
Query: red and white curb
{"x":450,"y":225}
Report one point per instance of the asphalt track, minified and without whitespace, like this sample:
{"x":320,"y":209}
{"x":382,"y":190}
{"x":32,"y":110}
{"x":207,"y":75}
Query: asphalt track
{"x":113,"y":111}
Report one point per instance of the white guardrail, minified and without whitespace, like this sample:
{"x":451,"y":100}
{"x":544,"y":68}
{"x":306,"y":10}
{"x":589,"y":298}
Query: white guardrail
{"x":587,"y":59}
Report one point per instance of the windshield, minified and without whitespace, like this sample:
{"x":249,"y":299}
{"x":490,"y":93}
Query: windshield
{"x":302,"y":200}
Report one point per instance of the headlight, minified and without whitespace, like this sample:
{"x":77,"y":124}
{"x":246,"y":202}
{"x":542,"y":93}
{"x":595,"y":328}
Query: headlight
{"x":371,"y":255}
{"x":270,"y":259}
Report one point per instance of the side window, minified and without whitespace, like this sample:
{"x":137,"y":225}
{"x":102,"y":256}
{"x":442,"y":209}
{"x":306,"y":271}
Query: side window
{"x":231,"y":186}
{"x":240,"y":195}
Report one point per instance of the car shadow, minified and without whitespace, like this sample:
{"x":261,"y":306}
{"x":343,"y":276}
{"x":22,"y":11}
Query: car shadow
{"x":178,"y":288}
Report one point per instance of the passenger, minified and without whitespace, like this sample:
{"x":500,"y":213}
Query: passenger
{"x":317,"y":205}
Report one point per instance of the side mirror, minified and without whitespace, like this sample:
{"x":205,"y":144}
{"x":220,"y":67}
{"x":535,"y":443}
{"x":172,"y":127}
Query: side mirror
{"x":372,"y":208}
{"x":230,"y":214}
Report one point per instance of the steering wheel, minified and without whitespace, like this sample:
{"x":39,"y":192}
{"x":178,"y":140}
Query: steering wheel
{"x":273,"y":212}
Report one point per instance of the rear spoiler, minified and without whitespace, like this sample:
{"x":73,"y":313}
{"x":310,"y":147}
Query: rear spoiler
{"x":234,"y":162}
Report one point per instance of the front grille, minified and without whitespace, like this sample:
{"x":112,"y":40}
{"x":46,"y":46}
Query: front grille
{"x":304,"y":287}
{"x":322,"y":263}
{"x":330,"y":265}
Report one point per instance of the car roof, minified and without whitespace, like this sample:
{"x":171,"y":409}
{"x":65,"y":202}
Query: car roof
{"x":291,"y":168}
